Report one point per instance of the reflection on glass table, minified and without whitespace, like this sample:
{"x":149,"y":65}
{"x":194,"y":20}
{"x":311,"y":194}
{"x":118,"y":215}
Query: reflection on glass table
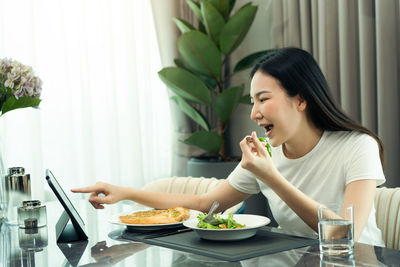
{"x":28,"y":250}
{"x":311,"y":256}
{"x":364,"y":255}
{"x":182,"y":259}
{"x":113,"y":254}
{"x":73,"y":251}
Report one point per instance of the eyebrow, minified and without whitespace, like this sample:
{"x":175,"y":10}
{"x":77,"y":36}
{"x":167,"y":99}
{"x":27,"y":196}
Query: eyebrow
{"x":261,"y":92}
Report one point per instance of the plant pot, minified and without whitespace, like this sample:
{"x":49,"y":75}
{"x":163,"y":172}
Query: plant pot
{"x":210,"y":167}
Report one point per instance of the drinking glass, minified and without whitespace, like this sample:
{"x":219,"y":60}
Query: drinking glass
{"x":336,"y":229}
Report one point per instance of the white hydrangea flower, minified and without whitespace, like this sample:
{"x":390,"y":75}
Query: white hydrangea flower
{"x":18,"y":80}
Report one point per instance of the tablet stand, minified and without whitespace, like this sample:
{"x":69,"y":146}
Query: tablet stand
{"x":66,"y":233}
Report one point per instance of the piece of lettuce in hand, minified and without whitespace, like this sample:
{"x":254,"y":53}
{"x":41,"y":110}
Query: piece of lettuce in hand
{"x":267,"y":145}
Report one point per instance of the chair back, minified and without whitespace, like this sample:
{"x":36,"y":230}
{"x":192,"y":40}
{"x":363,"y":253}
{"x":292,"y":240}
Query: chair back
{"x":387,"y":203}
{"x":187,"y":185}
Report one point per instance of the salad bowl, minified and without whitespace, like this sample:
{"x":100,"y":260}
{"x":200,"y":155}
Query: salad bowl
{"x":251,"y":224}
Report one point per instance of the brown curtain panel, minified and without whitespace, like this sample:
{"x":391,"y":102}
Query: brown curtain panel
{"x":357,"y":44}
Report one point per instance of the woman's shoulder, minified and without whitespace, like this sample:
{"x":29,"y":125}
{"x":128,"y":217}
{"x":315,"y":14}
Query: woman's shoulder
{"x":348,"y":135}
{"x":350,"y":139}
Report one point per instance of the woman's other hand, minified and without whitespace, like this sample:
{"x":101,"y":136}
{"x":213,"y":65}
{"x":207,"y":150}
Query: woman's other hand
{"x":102,"y":193}
{"x":255,"y":157}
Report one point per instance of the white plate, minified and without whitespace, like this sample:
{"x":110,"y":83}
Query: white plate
{"x":251,"y":222}
{"x":147,"y":227}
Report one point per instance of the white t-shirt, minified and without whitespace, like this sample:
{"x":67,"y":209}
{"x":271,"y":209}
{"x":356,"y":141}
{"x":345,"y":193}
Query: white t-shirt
{"x":338,"y":159}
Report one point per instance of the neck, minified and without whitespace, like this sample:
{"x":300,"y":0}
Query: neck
{"x":302,"y":143}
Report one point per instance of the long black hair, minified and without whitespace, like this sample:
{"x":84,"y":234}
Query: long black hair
{"x":299,"y":73}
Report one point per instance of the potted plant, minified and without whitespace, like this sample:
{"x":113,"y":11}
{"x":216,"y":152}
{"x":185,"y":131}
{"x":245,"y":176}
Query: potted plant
{"x":203,"y":73}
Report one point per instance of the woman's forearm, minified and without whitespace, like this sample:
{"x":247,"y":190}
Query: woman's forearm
{"x":161,"y":200}
{"x":359,"y":193}
{"x":103,"y":193}
{"x":304,"y":206}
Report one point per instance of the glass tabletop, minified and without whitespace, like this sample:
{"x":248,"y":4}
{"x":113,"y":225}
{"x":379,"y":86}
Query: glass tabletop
{"x":105,"y":247}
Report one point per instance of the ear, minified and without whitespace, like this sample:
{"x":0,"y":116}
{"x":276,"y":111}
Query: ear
{"x":301,"y":103}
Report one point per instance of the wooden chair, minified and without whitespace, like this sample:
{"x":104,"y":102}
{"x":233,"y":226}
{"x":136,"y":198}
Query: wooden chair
{"x":387,"y":203}
{"x":187,"y":185}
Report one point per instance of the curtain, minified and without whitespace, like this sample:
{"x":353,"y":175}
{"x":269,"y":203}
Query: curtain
{"x":167,"y":36}
{"x":357,"y":44}
{"x":104,"y":113}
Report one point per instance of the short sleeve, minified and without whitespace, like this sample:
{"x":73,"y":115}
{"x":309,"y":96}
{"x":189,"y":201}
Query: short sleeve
{"x":243,"y":180}
{"x":365,"y":162}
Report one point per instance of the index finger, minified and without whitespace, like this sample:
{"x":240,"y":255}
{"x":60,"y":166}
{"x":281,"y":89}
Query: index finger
{"x":87,"y":189}
{"x":259,"y":146}
{"x":245,"y":147}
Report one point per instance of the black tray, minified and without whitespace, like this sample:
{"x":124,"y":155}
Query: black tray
{"x":263,"y":243}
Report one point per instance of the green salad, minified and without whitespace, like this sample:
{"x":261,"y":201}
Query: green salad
{"x":221,"y":223}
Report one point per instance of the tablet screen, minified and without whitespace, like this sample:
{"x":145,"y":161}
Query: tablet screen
{"x":67,"y":204}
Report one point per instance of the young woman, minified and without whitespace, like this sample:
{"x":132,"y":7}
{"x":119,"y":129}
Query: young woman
{"x":319,"y":154}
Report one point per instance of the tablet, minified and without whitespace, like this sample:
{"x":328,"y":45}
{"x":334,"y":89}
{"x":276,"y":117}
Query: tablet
{"x":76,"y":220}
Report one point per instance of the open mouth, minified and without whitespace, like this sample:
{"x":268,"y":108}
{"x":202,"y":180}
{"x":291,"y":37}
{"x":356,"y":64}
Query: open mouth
{"x":268,"y":129}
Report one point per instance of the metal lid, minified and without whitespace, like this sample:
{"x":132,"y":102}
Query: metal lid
{"x":31,"y":203}
{"x":16,"y":170}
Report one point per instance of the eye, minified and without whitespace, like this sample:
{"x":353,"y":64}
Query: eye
{"x":263,"y":99}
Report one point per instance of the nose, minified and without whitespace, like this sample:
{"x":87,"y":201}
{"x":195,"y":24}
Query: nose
{"x":255,"y":114}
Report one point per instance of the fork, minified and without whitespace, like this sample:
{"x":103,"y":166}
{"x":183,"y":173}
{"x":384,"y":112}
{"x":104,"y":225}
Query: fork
{"x":210,"y":218}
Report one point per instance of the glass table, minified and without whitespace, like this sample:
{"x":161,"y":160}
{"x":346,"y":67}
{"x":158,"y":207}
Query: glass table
{"x":105,"y":247}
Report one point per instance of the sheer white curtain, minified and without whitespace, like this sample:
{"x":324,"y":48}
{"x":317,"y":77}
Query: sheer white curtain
{"x":104,"y":114}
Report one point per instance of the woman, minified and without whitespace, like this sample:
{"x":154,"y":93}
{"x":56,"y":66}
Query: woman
{"x":319,"y":154}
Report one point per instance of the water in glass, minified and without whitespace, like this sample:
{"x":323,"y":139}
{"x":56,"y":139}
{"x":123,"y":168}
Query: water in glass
{"x":336,"y":236}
